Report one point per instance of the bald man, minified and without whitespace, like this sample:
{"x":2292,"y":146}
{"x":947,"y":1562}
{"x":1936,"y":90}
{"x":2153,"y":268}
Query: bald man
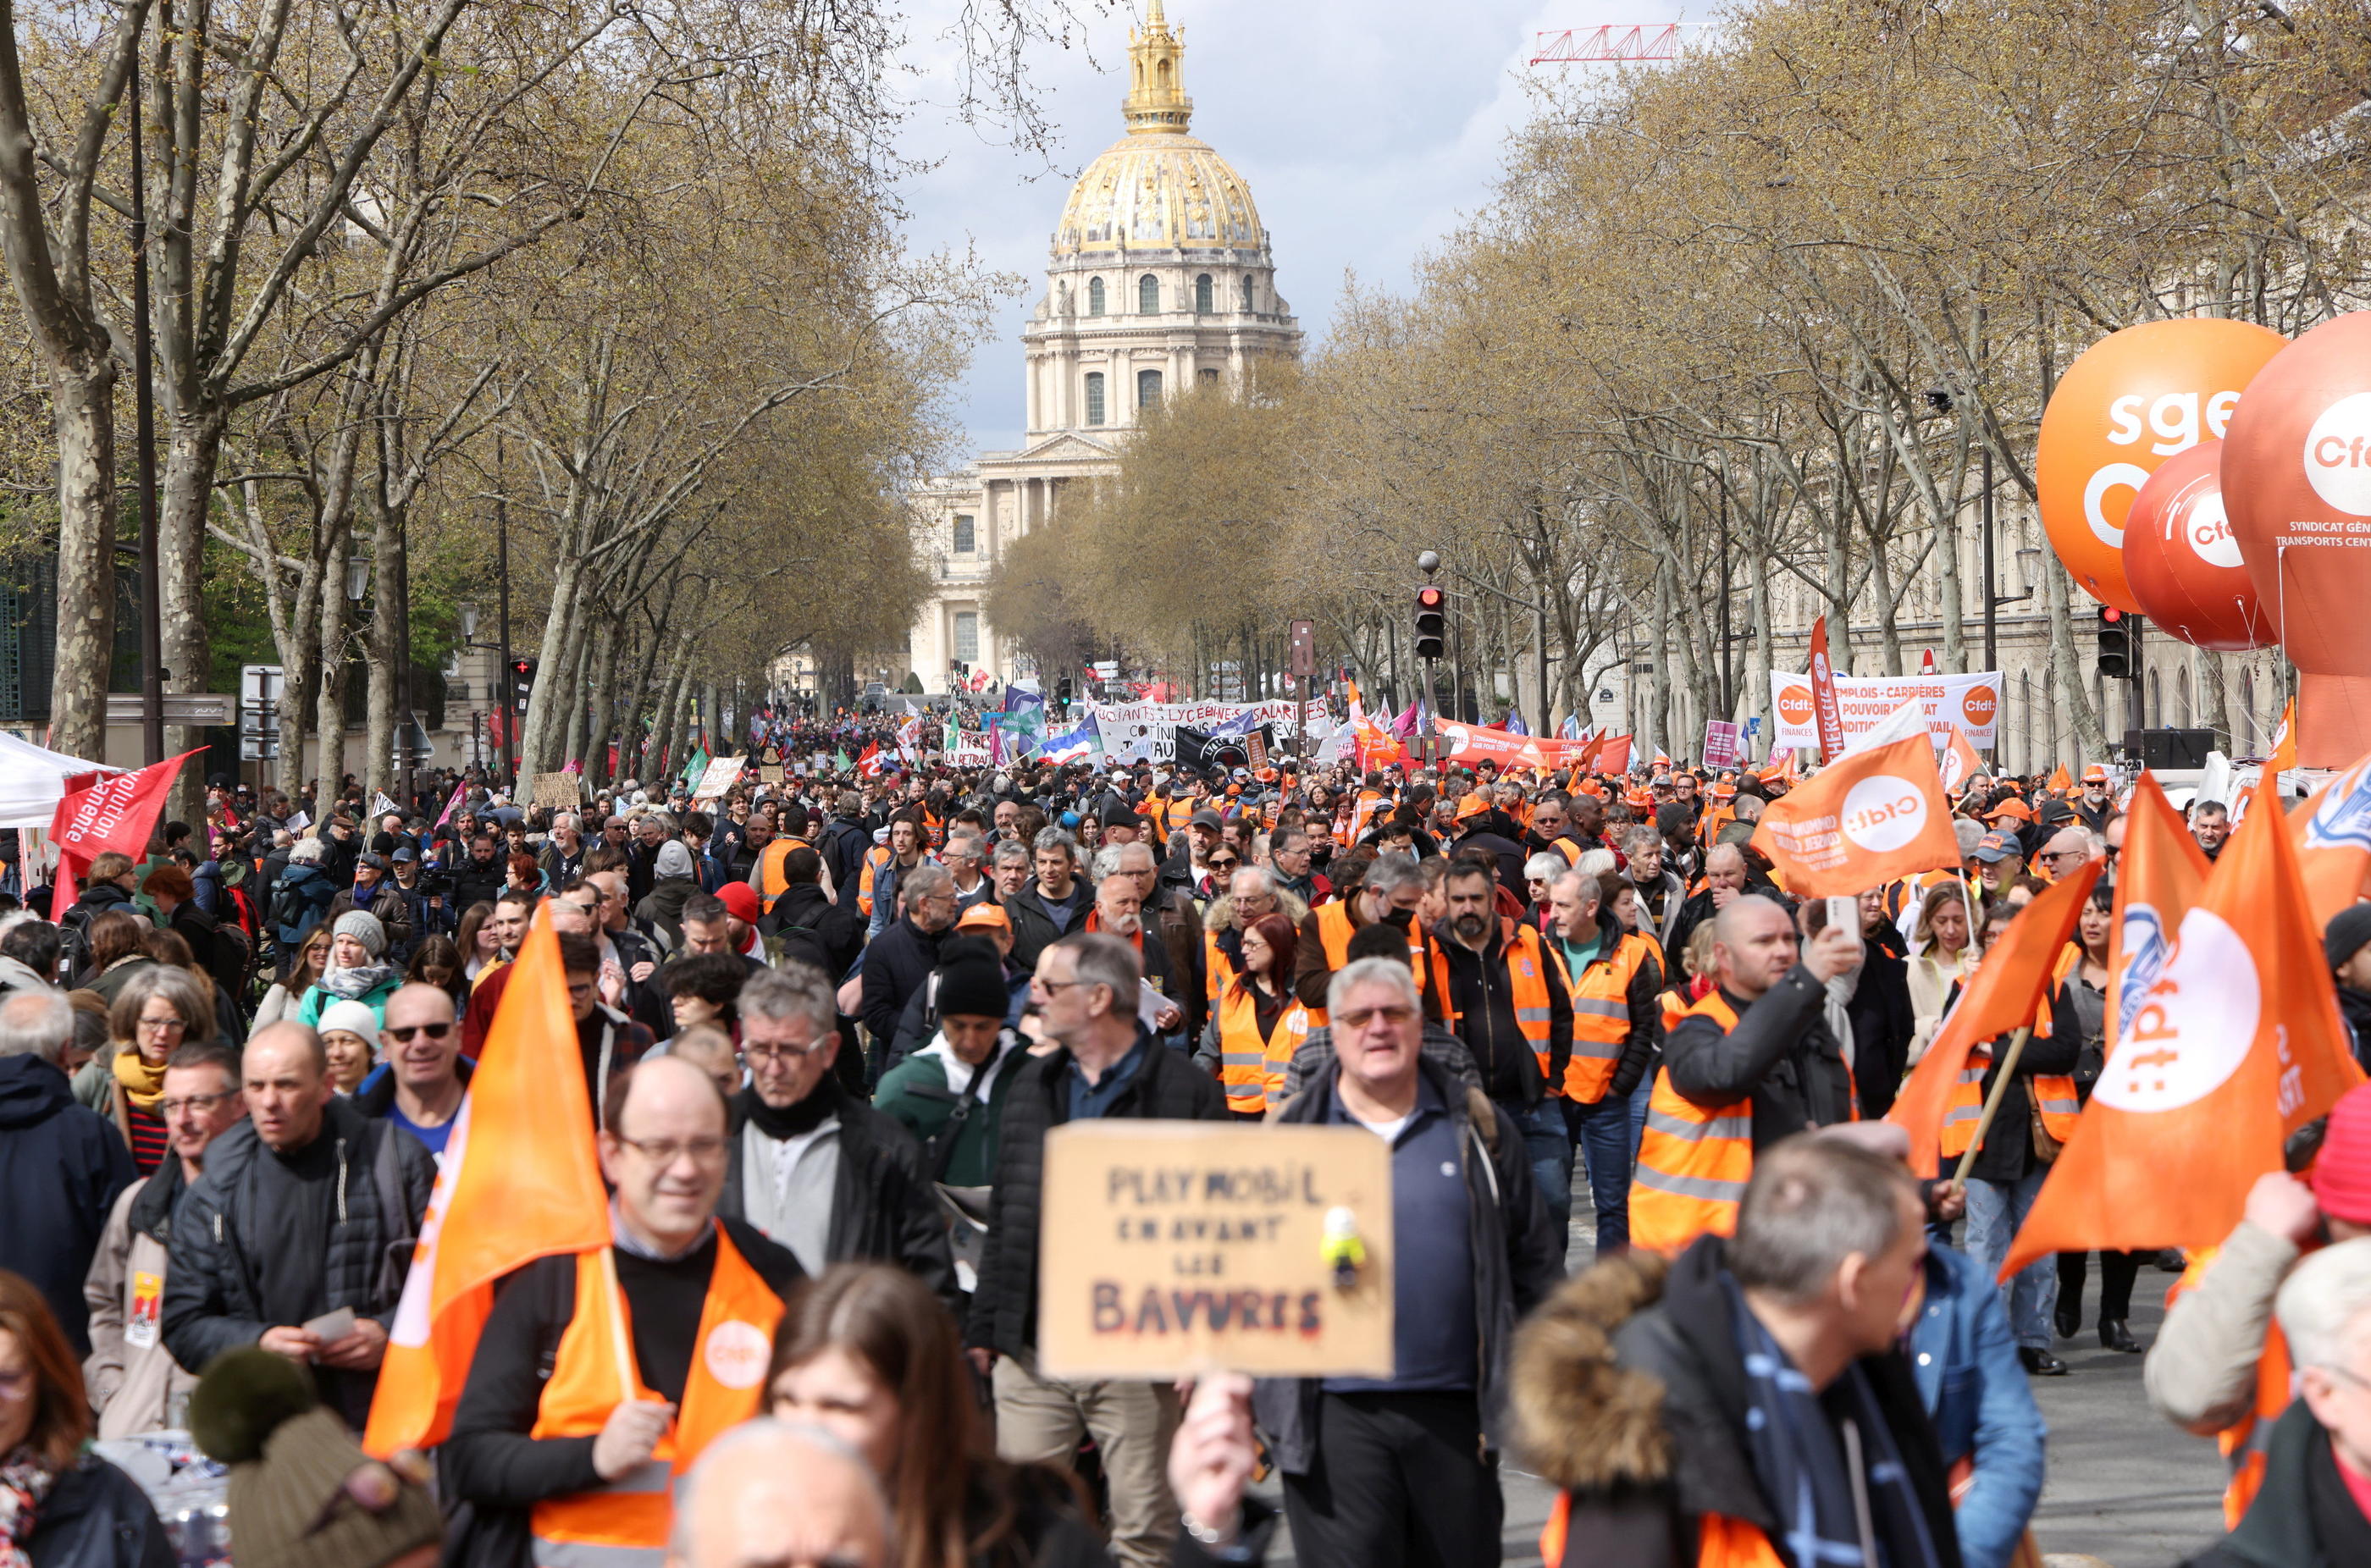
{"x":1751,"y":1064}
{"x":771,"y":1493}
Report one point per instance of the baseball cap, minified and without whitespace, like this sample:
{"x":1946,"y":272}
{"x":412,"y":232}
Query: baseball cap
{"x":1206,"y":819}
{"x":1471,"y":806}
{"x":2014,"y":809}
{"x":983,"y":918}
{"x":373,"y":858}
{"x":1995,"y":847}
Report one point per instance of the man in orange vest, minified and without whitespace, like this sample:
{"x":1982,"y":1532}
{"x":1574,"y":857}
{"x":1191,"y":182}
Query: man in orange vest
{"x":584,"y":1459}
{"x":1751,"y":1062}
{"x":1695,"y":1411}
{"x":1617,"y":1023}
{"x":2220,"y":1368}
{"x":1390,"y":892}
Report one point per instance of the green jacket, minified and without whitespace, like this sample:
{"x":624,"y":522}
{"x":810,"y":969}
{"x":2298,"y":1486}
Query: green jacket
{"x":915,"y":1092}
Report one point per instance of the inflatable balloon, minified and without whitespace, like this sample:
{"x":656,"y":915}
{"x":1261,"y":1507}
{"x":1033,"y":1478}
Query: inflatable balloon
{"x":2182,"y":562}
{"x":2296,"y":481}
{"x":2133,"y":399}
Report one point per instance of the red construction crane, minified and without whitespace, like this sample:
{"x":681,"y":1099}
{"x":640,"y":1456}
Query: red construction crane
{"x":1614,"y":43}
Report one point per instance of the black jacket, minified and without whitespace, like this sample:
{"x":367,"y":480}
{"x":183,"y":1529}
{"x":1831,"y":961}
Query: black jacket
{"x":2007,"y":1153}
{"x":896,"y":963}
{"x":1518,"y":1258}
{"x":816,"y":931}
{"x":97,"y":1516}
{"x":1168,"y":1086}
{"x":1699,"y":909}
{"x":843,"y":846}
{"x":62,"y":1167}
{"x":475,"y":883}
{"x":1035,"y":927}
{"x":213,"y":1295}
{"x":1780,"y":1055}
{"x":2354,"y":1007}
{"x":2304,"y":1515}
{"x":1630,"y":1394}
{"x":1882,"y":1020}
{"x":1482,"y":1000}
{"x":882,"y":1206}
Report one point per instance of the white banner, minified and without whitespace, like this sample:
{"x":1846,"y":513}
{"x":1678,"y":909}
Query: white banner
{"x":1972,"y":702}
{"x":1147,"y":732}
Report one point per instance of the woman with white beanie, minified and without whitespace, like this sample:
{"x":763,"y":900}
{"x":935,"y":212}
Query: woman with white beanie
{"x":350,"y":1040}
{"x":358,"y":970}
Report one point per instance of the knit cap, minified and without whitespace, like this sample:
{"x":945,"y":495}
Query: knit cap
{"x":2347,"y":931}
{"x":354,"y":1018}
{"x":302,"y":1493}
{"x":2342,"y":1172}
{"x":971,"y":979}
{"x":363,"y":927}
{"x":674,"y":859}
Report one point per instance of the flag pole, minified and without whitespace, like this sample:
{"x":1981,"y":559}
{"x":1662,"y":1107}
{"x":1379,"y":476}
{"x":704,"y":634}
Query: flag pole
{"x":1992,"y":1101}
{"x":628,"y":1379}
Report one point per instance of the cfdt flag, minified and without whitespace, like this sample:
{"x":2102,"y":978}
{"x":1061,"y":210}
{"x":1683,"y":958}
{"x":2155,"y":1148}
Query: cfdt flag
{"x":1823,"y":695}
{"x":2233,"y":1044}
{"x":1874,"y":817}
{"x":2333,"y":840}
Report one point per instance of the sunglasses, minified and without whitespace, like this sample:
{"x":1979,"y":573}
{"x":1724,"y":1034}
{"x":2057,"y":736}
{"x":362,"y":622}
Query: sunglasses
{"x":412,"y":1030}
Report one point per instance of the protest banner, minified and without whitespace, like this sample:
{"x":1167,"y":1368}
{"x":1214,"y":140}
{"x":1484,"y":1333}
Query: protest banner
{"x":1720,"y":742}
{"x":1147,"y":732}
{"x":1176,"y":1248}
{"x":563,"y":790}
{"x":1971,"y":702}
{"x":769,"y":773}
{"x":719,"y":776}
{"x":1827,"y":718}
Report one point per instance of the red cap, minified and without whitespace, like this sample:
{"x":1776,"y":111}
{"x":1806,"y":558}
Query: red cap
{"x":2341,"y":1173}
{"x":740,"y":901}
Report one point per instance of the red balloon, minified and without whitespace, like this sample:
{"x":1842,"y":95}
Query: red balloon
{"x":2182,"y":562}
{"x":2297,"y":481}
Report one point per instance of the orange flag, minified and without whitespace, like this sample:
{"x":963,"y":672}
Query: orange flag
{"x":2008,"y":988}
{"x":2231,"y":1045}
{"x":2157,"y":880}
{"x":1613,"y":756}
{"x":2284,"y":757}
{"x":1959,"y":762}
{"x":520,"y":1181}
{"x":1871,"y":818}
{"x":1823,"y":696}
{"x":2333,"y":840}
{"x":2062,"y":780}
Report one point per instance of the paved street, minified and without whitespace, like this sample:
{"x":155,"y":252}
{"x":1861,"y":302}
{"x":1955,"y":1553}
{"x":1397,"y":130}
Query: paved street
{"x":2123,"y":1486}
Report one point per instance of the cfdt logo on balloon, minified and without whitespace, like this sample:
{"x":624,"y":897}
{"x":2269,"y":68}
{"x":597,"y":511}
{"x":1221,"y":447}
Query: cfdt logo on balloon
{"x":2338,"y":454}
{"x":1882,"y":813}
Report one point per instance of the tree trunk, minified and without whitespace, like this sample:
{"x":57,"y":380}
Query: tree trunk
{"x":329,"y":709}
{"x":300,"y":662}
{"x":1659,"y":704}
{"x":82,"y":410}
{"x":381,"y":652}
{"x":192,"y":455}
{"x":604,"y":686}
{"x":2215,"y":700}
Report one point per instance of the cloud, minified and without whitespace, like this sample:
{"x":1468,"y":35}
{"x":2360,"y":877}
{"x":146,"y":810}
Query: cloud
{"x":1367,"y":133}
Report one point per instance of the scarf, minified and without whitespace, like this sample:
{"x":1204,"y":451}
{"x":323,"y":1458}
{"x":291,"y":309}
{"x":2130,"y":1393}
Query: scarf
{"x":353,"y":985}
{"x":1827,"y":1463}
{"x":24,"y":1482}
{"x":795,"y":1120}
{"x":142,"y":1084}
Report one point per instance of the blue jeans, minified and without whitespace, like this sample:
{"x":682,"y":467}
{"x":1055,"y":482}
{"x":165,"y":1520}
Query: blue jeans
{"x":1995,"y":1211}
{"x":1550,"y":1146}
{"x":1602,"y":1131}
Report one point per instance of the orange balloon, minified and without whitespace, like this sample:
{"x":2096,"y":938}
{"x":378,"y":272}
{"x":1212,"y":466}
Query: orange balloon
{"x":2296,"y":469}
{"x":2182,"y":559}
{"x":2133,"y":399}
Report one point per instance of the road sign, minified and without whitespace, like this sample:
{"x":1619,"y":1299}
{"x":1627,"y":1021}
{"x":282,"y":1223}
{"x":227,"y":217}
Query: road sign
{"x":258,"y":712}
{"x":180,"y":708}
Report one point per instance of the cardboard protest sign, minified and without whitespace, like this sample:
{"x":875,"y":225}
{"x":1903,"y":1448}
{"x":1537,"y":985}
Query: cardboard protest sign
{"x":719,"y":777}
{"x":555,"y":789}
{"x":1172,"y":1248}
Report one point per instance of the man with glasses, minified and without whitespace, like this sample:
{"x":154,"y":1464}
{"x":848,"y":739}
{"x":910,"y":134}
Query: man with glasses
{"x":2066,"y":852}
{"x":2095,"y":805}
{"x":1373,"y":1466}
{"x":545,"y":1443}
{"x":812,"y":1166}
{"x":419,"y":1086}
{"x":134,"y":1381}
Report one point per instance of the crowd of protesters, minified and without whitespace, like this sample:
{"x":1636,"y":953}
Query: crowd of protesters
{"x":826,"y":1022}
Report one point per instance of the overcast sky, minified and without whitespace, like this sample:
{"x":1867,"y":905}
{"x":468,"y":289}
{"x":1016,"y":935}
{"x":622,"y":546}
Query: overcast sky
{"x":1365,"y":129}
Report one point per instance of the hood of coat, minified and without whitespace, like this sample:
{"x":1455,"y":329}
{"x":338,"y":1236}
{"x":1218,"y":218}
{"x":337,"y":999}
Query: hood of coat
{"x":1586,"y":1422}
{"x":1221,"y":915}
{"x":30,"y":1090}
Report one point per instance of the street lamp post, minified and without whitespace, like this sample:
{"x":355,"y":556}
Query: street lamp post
{"x":152,"y":615}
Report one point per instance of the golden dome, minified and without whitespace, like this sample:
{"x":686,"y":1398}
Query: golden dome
{"x":1158,"y":188}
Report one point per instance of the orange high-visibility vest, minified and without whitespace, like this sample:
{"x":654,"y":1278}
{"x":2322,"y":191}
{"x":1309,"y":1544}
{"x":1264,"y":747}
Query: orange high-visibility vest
{"x":1334,"y":934}
{"x":2243,"y":1443}
{"x":1693,"y":1162}
{"x":771,"y":882}
{"x":1600,"y":1019}
{"x":623,"y":1523}
{"x":1530,"y":963}
{"x":1218,"y":969}
{"x":874,"y":857}
{"x":2052,"y":1093}
{"x":1721,"y":1541}
{"x":1250,"y":1065}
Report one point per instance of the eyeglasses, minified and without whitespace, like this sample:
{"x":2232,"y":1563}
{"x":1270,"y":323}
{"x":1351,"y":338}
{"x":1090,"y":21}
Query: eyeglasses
{"x":666,"y":1152}
{"x":1398,"y":1017}
{"x":780,"y":1052}
{"x":410,"y":1031}
{"x":161,"y":1025}
{"x":197,"y":1104}
{"x":2053,"y":855}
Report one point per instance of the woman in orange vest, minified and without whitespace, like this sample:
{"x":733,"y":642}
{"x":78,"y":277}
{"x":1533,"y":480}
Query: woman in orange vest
{"x":869,"y":1355}
{"x":2083,"y":995}
{"x":1257,"y":1022}
{"x":2035,"y":1117}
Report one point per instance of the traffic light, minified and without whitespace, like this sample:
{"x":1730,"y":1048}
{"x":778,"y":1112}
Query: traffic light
{"x":1430,"y":627}
{"x":2115,"y":642}
{"x":522,"y":682}
{"x":1062,"y":696}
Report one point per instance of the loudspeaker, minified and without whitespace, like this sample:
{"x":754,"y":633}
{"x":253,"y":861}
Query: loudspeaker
{"x":2169,"y":748}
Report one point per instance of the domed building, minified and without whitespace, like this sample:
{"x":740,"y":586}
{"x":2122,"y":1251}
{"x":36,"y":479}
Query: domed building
{"x":1159,"y":278}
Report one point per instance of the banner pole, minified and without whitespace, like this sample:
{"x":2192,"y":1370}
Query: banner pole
{"x":2008,"y":1075}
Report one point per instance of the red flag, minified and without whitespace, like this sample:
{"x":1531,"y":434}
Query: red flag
{"x":1613,"y":756}
{"x":2234,"y":1043}
{"x":116,"y":814}
{"x":2009,"y":987}
{"x":519,"y":1182}
{"x":1823,"y":696}
{"x":1875,"y":816}
{"x":869,"y":765}
{"x":2333,"y":840}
